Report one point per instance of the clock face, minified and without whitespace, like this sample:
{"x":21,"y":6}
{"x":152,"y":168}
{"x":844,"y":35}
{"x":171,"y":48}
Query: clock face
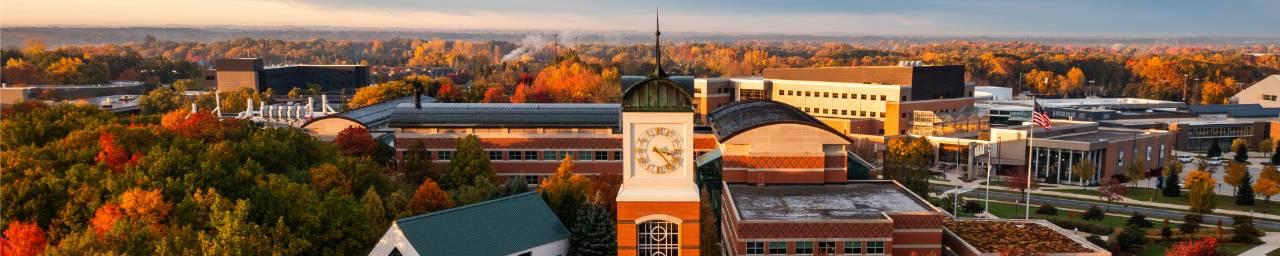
{"x":659,"y":150}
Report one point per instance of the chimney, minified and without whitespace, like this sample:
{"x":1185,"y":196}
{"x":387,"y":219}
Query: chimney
{"x":417,"y":96}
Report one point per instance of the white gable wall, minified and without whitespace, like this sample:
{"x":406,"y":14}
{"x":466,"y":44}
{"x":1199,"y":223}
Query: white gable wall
{"x":394,"y":239}
{"x":1254,"y":94}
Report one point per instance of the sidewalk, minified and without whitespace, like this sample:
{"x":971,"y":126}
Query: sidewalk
{"x":1271,"y":242}
{"x":1048,"y":191}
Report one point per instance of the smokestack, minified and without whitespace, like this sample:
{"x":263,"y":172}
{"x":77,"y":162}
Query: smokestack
{"x":417,"y":95}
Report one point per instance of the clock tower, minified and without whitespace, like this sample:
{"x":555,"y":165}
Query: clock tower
{"x":658,"y":204}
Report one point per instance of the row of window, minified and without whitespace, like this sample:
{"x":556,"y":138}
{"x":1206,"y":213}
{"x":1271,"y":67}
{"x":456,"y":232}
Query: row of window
{"x":823,"y":248}
{"x":833,"y":95}
{"x":843,"y":112}
{"x":545,"y":155}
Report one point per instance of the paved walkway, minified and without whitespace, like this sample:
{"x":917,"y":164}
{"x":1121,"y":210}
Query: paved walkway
{"x":1271,"y":242}
{"x":1047,"y":190}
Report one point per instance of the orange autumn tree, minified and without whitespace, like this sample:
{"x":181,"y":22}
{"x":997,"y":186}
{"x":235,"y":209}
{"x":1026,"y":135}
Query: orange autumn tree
{"x":1218,"y":92}
{"x":521,"y":95}
{"x":570,"y":81}
{"x":105,"y":218}
{"x":495,"y":95}
{"x":565,"y":191}
{"x":23,"y":239}
{"x":145,"y":205}
{"x":428,"y":198}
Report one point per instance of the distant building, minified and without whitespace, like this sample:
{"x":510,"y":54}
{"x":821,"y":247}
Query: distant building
{"x":240,"y":73}
{"x":992,"y":93}
{"x":875,"y":100}
{"x":518,"y":225}
{"x":11,"y":95}
{"x":1265,"y":93}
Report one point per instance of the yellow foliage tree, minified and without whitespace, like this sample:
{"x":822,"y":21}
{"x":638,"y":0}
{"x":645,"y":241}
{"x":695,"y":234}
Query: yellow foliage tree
{"x":1200,"y":184}
{"x":565,"y":191}
{"x":1217,"y":92}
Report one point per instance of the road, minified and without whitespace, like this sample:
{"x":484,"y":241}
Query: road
{"x":1153,"y":214}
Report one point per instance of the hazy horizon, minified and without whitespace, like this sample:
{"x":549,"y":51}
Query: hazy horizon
{"x":917,"y":18}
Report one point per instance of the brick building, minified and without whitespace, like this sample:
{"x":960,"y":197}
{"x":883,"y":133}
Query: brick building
{"x":239,"y":73}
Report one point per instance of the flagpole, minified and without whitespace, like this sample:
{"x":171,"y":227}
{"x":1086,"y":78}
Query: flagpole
{"x":1031,"y":153}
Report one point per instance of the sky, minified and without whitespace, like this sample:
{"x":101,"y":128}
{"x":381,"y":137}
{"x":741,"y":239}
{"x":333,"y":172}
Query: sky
{"x":1255,"y":18}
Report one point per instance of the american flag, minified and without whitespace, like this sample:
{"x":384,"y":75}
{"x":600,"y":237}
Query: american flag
{"x":1040,"y":117}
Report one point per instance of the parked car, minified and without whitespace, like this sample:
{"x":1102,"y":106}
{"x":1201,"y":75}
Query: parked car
{"x":1185,"y":158}
{"x":1215,"y":161}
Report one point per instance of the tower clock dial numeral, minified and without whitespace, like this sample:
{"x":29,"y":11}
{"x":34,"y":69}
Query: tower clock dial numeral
{"x":659,"y":150}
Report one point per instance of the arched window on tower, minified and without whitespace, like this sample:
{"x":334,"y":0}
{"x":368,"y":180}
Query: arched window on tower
{"x":657,"y":238}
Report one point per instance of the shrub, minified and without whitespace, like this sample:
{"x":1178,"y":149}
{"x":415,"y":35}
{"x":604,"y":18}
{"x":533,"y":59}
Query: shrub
{"x":1131,"y":239}
{"x":1243,"y":230}
{"x":1097,"y":240}
{"x":1047,"y":209}
{"x":1083,"y":226}
{"x":972,"y":206}
{"x":1139,"y":220}
{"x":1094,"y":213}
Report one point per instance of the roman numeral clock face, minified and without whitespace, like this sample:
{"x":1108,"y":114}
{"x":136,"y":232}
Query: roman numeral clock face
{"x":659,"y":150}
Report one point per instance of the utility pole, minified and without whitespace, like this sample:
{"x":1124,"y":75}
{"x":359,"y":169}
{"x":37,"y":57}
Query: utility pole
{"x":1185,"y":80}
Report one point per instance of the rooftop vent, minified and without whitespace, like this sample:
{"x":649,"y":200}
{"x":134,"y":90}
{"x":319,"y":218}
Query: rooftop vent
{"x":910,"y":63}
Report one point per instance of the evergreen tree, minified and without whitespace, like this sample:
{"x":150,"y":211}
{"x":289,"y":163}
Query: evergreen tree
{"x":514,"y":185}
{"x":709,"y":227}
{"x":1243,"y":230}
{"x":480,"y":190}
{"x":1244,"y":193}
{"x":1214,"y":149}
{"x":1166,"y":231}
{"x":594,"y":232}
{"x":1242,"y":150}
{"x":1275,"y":158}
{"x":1047,"y":209}
{"x":1170,"y":187}
{"x":469,"y":163}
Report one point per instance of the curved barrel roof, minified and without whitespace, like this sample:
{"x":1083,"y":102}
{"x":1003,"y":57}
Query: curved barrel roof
{"x":738,"y":117}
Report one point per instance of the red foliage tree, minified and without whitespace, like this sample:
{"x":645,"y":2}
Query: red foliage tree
{"x":105,"y":218}
{"x":23,"y":239}
{"x":356,"y":141}
{"x":1203,"y":247}
{"x":494,"y":95}
{"x":111,"y":154}
{"x":1112,"y":190}
{"x":447,"y":93}
{"x":429,"y":198}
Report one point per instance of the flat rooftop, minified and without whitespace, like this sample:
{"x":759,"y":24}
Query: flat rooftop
{"x":853,"y":201}
{"x":1100,"y":135}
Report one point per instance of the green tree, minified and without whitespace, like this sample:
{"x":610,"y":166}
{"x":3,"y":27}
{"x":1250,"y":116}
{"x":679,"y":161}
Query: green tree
{"x":416,"y":164}
{"x":161,"y":100}
{"x":1047,"y":209}
{"x":233,"y":233}
{"x":481,"y":189}
{"x":1131,"y":239}
{"x":1170,"y":186}
{"x":1266,"y":146}
{"x":1244,"y":193}
{"x":594,"y":232}
{"x":514,"y":185}
{"x":709,"y":227}
{"x":1085,"y":170}
{"x":907,"y":161}
{"x":374,"y":210}
{"x":1214,"y":149}
{"x":469,"y":163}
{"x":1241,"y":147}
{"x":1093,"y":213}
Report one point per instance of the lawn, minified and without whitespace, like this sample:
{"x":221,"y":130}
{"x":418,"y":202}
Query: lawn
{"x":1016,"y":211}
{"x":1221,"y":201}
{"x":1158,"y":248}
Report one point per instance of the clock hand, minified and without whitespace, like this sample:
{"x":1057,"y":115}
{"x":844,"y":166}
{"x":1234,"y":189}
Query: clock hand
{"x":665,"y":156}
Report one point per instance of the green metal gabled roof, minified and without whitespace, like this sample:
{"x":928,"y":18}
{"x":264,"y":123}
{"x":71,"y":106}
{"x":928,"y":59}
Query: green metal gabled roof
{"x":496,"y":227}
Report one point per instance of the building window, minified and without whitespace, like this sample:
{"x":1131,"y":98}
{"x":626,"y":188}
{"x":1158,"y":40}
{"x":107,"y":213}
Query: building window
{"x":445,"y":155}
{"x":584,"y":155}
{"x":875,"y":247}
{"x":844,"y":112}
{"x":755,"y":248}
{"x":882,"y":98}
{"x":1268,"y":97}
{"x":657,"y":238}
{"x":777,"y":248}
{"x":514,"y":155}
{"x":617,"y":155}
{"x":751,"y":94}
{"x":602,"y":155}
{"x":852,"y":248}
{"x":532,"y":180}
{"x":827,"y":248}
{"x":864,"y":96}
{"x":904,"y":98}
{"x":495,"y":155}
{"x":881,"y":114}
{"x":554,"y":155}
{"x":804,"y":248}
{"x":531,"y":155}
{"x":862,"y":113}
